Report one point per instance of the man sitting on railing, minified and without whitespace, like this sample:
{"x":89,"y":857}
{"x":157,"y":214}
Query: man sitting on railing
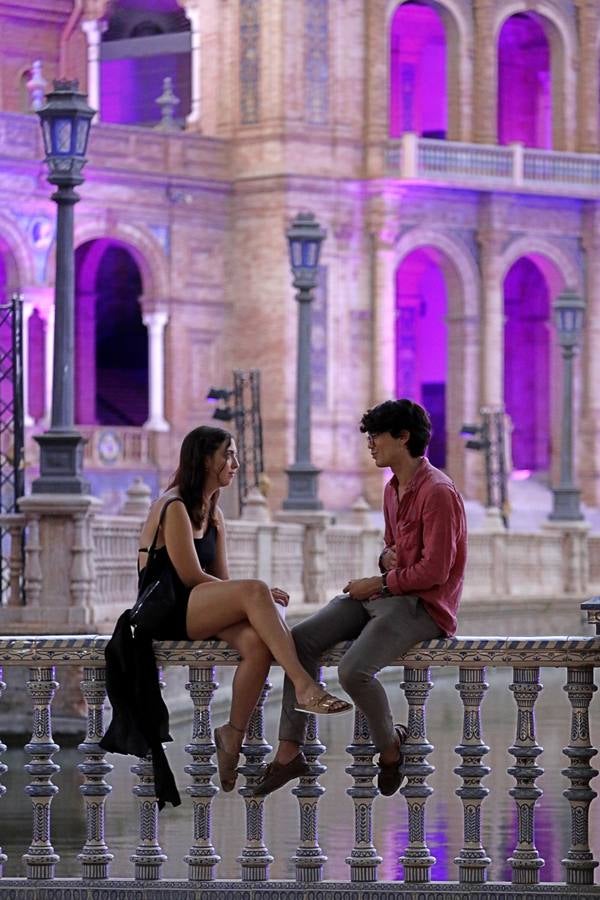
{"x":414,"y":599}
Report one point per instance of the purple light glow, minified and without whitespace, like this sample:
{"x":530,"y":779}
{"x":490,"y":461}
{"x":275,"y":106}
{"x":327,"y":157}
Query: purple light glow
{"x":417,"y":72}
{"x":130,"y":87}
{"x":421,"y":339}
{"x":527,"y":364}
{"x":524,"y":85}
{"x":111,"y":362}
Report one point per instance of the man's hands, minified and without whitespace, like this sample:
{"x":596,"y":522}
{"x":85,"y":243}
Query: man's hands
{"x":388,"y":559}
{"x":364,"y":588}
{"x":280,"y":596}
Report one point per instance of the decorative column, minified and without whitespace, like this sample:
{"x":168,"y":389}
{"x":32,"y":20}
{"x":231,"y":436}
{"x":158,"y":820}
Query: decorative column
{"x":255,"y":858}
{"x":492,"y":349}
{"x":472,"y":861}
{"x":579,"y":863}
{"x":193,"y":14}
{"x":485,"y":99}
{"x":589,"y":450}
{"x":40,"y":860}
{"x":526,"y":862}
{"x":417,"y":860}
{"x":95,"y":857}
{"x":202,"y":858}
{"x":148,"y":858}
{"x":93,"y":30}
{"x":587,"y":19}
{"x":383,"y":305}
{"x":363,"y":859}
{"x":309,"y":858}
{"x":156,"y":323}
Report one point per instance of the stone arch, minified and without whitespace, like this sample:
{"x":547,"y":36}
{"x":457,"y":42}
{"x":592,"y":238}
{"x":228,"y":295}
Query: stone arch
{"x":559,"y":267}
{"x":563,"y":44}
{"x":458,"y":29}
{"x":560,"y":270}
{"x":463,"y":306}
{"x":145,"y":250}
{"x":17,"y":255}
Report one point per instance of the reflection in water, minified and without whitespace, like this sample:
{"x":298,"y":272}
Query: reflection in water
{"x":444,"y":819}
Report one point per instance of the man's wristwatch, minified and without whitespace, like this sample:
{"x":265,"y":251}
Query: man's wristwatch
{"x":385,"y":591}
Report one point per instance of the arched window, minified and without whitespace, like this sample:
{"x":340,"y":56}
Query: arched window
{"x":524,"y":83}
{"x":111,"y":354}
{"x":527,"y":364}
{"x":421,"y":340}
{"x":138,"y":51}
{"x":418,"y":95}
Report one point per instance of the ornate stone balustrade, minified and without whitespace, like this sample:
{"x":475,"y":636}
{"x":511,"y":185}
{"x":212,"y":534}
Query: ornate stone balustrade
{"x":312,"y":562}
{"x":47,"y":657}
{"x":483,"y":166}
{"x":125,"y":148}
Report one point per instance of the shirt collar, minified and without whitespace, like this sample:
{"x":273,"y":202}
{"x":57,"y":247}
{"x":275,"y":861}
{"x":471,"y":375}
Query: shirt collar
{"x":418,"y":476}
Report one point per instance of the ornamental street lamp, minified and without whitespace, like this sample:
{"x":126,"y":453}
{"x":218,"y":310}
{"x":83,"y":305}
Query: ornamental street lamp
{"x":568,"y":318}
{"x":305,"y":237}
{"x":65,"y":120}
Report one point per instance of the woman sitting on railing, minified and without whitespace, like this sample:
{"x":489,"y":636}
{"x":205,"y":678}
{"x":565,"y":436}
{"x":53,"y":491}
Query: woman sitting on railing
{"x":191,"y":539}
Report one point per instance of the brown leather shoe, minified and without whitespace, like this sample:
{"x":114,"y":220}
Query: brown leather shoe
{"x":277,"y":774}
{"x":390,"y":776}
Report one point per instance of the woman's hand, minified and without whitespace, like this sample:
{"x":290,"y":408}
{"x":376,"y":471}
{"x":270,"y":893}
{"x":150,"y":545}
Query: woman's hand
{"x":280,"y":597}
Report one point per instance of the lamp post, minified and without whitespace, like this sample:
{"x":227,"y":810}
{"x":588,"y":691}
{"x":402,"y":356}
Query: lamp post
{"x":65,"y":120}
{"x":568,"y":317}
{"x":305,"y":237}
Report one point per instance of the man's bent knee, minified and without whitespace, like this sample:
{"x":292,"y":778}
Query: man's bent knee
{"x":351,"y":677}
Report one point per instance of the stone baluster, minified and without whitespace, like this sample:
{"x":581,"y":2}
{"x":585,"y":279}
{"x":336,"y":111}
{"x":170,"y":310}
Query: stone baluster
{"x":580,"y":863}
{"x":40,"y":859}
{"x":363,"y":859}
{"x":525,"y":861}
{"x":309,"y":858}
{"x":95,"y":857}
{"x":15,"y":564}
{"x":202,"y":858}
{"x":148,"y":858}
{"x":3,"y":770}
{"x":417,"y":860}
{"x":472,"y":861}
{"x":33,"y":562}
{"x":255,"y":858}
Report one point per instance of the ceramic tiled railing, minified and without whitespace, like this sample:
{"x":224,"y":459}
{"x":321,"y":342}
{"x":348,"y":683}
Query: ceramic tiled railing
{"x":475,"y":658}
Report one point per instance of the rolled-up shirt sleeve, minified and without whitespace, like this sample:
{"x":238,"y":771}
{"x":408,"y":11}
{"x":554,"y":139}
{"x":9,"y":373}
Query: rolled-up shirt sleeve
{"x":441,"y":529}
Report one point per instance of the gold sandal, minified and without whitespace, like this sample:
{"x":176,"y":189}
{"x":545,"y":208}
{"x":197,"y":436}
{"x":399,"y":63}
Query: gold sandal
{"x":325,"y":704}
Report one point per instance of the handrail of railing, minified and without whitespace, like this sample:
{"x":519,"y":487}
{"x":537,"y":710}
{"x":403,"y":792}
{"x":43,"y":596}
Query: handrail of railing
{"x":512,"y":166}
{"x":579,"y":655}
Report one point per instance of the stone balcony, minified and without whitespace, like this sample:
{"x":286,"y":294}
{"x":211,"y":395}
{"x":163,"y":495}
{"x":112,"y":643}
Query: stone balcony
{"x":511,"y":168}
{"x":130,"y":149}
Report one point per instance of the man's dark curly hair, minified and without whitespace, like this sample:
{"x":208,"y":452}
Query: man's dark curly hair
{"x":396,"y":416}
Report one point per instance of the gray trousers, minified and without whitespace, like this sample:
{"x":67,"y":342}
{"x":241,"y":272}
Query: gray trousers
{"x":382,"y":630}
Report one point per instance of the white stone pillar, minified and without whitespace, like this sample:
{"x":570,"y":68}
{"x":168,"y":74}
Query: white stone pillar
{"x":194,"y":118}
{"x":93,"y":28}
{"x":48,"y":364}
{"x":492,"y":351}
{"x":27,"y":313}
{"x":156,"y":322}
{"x":383,"y":300}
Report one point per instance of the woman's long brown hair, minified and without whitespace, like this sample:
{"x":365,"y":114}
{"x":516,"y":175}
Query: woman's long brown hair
{"x":190,"y":476}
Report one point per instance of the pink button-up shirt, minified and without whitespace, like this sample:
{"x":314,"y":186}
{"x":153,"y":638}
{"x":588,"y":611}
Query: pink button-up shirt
{"x":428,"y":530}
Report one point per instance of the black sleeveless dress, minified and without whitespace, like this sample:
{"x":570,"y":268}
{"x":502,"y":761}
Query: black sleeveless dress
{"x":206,"y":550}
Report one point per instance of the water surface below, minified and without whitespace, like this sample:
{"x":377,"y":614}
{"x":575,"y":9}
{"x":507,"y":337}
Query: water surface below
{"x":444,"y":819}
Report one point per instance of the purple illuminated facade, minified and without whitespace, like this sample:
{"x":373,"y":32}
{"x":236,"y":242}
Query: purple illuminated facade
{"x":453,"y":159}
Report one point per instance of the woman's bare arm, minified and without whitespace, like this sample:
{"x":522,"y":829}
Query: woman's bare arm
{"x":220,"y":567}
{"x":179,"y":540}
